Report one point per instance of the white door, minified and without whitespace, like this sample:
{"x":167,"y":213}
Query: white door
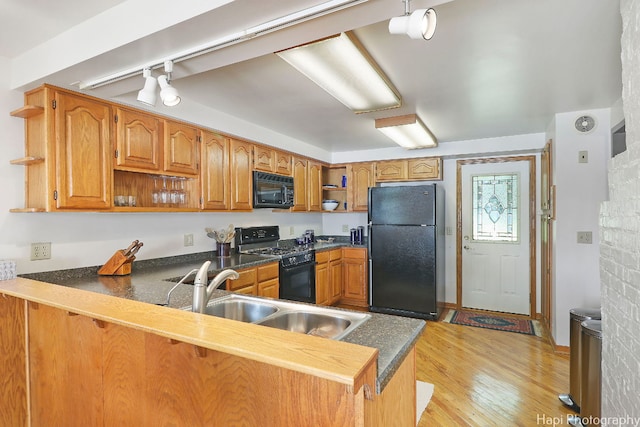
{"x":495,"y":236}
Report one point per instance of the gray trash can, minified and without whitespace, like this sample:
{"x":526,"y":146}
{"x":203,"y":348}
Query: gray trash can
{"x":591,"y":378}
{"x":577,"y":316}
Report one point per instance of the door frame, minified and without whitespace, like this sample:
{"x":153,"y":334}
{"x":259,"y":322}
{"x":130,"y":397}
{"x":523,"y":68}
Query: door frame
{"x":532,"y":223}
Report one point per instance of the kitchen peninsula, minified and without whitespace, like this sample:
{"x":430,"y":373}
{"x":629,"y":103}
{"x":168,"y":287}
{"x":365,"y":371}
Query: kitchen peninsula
{"x":137,"y":363}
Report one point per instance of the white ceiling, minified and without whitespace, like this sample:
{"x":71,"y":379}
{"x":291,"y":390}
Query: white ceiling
{"x":494,"y":67}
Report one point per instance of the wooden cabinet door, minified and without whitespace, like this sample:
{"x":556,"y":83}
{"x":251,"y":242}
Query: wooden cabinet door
{"x":139,"y":140}
{"x":241,"y":175}
{"x":264,"y":159}
{"x":299,"y":184}
{"x":392,"y":170}
{"x":181,"y":148}
{"x":83,"y":153}
{"x":269,"y":288}
{"x":215,"y":171}
{"x":314,"y":186}
{"x":323,"y":279}
{"x":335,"y":275}
{"x":247,"y":283}
{"x":283,"y":163}
{"x":425,"y":168}
{"x":268,"y":280}
{"x":360,"y":178}
{"x":354,"y":285}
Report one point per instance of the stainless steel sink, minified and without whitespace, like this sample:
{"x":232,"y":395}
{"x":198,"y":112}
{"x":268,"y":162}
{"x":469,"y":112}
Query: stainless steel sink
{"x":320,"y":325}
{"x":302,"y":318}
{"x":240,"y":309}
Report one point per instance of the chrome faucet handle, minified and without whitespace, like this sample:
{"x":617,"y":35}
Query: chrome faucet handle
{"x":195,"y":270}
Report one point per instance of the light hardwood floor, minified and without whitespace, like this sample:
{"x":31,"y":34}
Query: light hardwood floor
{"x":490,"y":378}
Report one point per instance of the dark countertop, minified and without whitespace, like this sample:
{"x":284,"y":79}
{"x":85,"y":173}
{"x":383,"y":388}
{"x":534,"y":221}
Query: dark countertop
{"x":151,"y":280}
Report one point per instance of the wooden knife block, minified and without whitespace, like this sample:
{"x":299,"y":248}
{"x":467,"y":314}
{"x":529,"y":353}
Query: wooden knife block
{"x":117,"y":265}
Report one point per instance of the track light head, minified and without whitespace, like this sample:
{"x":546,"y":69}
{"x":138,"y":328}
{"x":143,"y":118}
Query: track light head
{"x":419,"y":25}
{"x":168,"y":93}
{"x":147,"y":95}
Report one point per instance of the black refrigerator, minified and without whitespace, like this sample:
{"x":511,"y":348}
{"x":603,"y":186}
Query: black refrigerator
{"x":406,"y":250}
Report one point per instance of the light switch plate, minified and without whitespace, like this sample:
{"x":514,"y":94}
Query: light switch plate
{"x":345,"y":228}
{"x":188,"y":239}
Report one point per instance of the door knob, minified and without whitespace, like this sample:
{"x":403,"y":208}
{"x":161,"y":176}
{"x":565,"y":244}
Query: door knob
{"x":466,"y":247}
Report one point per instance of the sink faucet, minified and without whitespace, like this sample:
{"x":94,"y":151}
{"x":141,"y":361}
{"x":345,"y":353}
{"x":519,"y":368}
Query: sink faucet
{"x":202,"y":292}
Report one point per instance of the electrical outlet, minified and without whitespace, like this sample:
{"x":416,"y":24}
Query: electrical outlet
{"x":585,"y":237}
{"x":188,"y":239}
{"x":345,"y":228}
{"x":40,"y":250}
{"x":291,"y":230}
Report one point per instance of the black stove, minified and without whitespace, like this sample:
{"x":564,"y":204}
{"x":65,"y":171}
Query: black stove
{"x":297,"y":263}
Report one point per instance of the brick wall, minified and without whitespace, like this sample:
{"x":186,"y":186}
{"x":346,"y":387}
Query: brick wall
{"x":620,"y":243}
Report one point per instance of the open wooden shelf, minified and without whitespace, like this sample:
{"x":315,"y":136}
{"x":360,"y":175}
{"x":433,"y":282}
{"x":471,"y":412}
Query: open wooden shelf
{"x":27,"y":111}
{"x":26,"y":161}
{"x":26,"y":210}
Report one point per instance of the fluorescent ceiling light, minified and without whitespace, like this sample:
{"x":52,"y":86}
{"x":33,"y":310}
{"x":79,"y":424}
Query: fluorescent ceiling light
{"x":407,"y":131}
{"x":342,"y":67}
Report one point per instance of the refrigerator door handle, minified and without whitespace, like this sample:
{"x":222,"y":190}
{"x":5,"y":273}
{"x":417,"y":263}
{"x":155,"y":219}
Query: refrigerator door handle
{"x":369,"y":240}
{"x":370,"y":283}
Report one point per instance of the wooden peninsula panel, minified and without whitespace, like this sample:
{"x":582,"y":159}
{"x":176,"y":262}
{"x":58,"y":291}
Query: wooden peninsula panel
{"x":13,"y":372}
{"x":133,"y":363}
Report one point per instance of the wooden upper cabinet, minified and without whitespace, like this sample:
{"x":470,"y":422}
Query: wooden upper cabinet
{"x":264,"y":158}
{"x":360,"y":176}
{"x":299,"y":184}
{"x":427,"y":168}
{"x":314,"y":186}
{"x":392,"y":170}
{"x":181,"y":148}
{"x":283,"y":163}
{"x":83,"y":153}
{"x":269,"y":160}
{"x":139,"y":140}
{"x":241,"y":168}
{"x":215,"y":171}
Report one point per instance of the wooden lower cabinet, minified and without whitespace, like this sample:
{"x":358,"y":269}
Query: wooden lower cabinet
{"x":262,"y":280}
{"x":335,"y":274}
{"x":269,"y":280}
{"x":323,"y":279}
{"x":355,"y":277}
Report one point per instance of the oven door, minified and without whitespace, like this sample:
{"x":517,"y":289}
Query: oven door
{"x":298,"y":283}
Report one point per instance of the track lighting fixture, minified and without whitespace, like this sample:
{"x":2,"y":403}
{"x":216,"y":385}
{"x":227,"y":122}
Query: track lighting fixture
{"x":147,"y":95}
{"x":168,"y":93}
{"x":421,"y":24}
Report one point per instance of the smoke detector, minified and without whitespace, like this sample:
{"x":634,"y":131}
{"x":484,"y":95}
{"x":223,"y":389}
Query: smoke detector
{"x":585,"y":124}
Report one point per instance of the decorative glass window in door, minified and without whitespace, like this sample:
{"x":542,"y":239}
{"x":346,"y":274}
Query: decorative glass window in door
{"x":495,"y":207}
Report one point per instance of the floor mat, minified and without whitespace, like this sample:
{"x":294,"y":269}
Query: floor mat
{"x":489,"y":321}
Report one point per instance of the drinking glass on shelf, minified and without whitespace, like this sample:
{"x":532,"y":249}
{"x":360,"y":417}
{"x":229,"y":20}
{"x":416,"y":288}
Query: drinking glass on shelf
{"x":155,"y":194}
{"x":174,"y":195}
{"x":182,"y":195}
{"x":164,"y":192}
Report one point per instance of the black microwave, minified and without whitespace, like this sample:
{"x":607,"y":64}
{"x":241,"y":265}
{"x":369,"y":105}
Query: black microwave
{"x":272,"y":191}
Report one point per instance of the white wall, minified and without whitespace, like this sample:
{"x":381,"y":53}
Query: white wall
{"x":580,"y":188}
